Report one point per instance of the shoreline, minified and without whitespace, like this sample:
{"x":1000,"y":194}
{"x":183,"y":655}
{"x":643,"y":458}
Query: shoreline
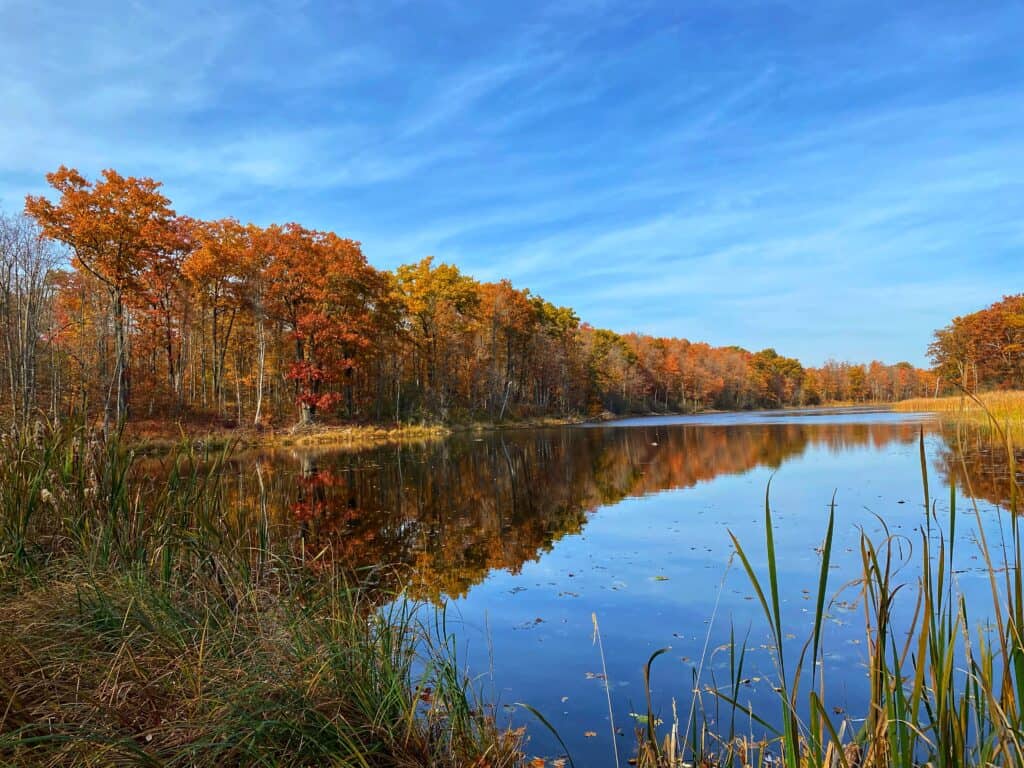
{"x":166,"y":435}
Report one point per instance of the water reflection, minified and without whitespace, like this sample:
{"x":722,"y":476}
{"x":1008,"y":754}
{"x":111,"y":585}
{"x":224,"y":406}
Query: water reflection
{"x":977,"y":460}
{"x":447,"y":514}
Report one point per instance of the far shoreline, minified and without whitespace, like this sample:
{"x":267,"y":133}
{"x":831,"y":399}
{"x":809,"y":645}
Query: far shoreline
{"x":357,"y":436}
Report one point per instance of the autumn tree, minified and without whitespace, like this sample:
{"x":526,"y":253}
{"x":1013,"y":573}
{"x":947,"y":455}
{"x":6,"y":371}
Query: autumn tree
{"x":218,"y":271}
{"x":440,"y":304}
{"x":557,"y":363}
{"x":116,"y":227}
{"x":776,"y":379}
{"x":324,"y":291}
{"x":984,"y":349}
{"x":162,"y":303}
{"x":508,"y":326}
{"x":237,"y":322}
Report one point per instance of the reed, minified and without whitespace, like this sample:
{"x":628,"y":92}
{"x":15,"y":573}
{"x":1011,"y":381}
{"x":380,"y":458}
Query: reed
{"x":1004,"y":408}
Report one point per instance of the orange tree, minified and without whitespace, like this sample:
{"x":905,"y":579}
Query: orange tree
{"x":116,"y":227}
{"x":322,"y":289}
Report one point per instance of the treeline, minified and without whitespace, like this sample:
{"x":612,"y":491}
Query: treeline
{"x":113,"y":305}
{"x":983,"y":350}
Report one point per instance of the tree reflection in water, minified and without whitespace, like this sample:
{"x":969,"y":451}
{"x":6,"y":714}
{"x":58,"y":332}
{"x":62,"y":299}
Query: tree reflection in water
{"x":446,"y":514}
{"x":978,"y":461}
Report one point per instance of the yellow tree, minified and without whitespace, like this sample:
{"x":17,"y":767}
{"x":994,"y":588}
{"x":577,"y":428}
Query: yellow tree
{"x":440,"y":302}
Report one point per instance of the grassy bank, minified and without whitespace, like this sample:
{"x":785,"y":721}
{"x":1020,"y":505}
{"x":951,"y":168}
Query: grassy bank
{"x":169,"y":435}
{"x":144,"y":624}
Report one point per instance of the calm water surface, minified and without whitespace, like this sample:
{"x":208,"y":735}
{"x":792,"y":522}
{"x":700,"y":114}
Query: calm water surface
{"x":527,"y":534}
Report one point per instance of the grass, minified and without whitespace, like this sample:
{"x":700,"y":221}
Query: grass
{"x":146,"y":625}
{"x":1003,"y":409}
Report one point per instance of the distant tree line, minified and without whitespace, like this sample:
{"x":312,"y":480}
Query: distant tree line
{"x":113,"y":306}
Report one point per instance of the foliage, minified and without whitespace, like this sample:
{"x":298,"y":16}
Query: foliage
{"x":168,"y":319}
{"x":983,"y":350}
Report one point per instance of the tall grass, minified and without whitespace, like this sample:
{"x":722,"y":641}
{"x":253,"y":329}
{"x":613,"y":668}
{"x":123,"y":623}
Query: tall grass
{"x":947,"y":690}
{"x":146,"y":624}
{"x":1005,"y":409}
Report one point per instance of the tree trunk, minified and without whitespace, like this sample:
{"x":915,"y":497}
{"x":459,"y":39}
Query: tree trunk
{"x":121,"y":373}
{"x":261,"y":346}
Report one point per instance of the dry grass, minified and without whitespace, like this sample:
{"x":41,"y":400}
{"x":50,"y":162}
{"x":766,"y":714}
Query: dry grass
{"x":168,"y":435}
{"x":360,"y":436}
{"x":122,"y":670}
{"x":998,"y":411}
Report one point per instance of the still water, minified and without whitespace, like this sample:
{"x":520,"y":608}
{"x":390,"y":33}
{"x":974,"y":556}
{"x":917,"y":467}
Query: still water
{"x":527,"y":535}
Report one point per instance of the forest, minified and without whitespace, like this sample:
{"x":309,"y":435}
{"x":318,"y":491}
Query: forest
{"x":115,"y":307}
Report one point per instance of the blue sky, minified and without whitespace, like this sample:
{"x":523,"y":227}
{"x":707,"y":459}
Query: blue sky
{"x":835,"y":179}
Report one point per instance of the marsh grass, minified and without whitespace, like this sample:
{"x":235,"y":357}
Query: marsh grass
{"x":987,"y":410}
{"x":145,"y":624}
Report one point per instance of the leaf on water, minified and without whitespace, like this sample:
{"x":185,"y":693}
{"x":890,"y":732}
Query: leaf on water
{"x":659,"y":577}
{"x":643,"y":719}
{"x":590,"y":734}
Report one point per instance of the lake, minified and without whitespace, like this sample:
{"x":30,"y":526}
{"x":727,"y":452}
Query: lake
{"x":526,"y":535}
